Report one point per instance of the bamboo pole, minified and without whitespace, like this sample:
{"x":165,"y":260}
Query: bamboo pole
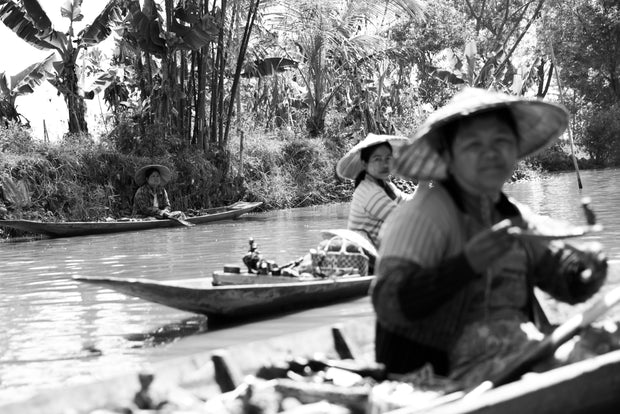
{"x":570,"y":128}
{"x":46,"y":137}
{"x":240,"y":172}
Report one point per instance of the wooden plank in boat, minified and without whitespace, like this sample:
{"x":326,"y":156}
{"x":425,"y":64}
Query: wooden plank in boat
{"x":221,"y":278}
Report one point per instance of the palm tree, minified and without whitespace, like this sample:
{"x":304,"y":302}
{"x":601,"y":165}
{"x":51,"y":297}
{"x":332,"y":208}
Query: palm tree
{"x":30,"y":22}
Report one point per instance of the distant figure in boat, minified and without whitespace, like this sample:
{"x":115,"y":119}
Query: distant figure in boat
{"x":369,"y":164}
{"x":455,"y":287}
{"x":151,"y":199}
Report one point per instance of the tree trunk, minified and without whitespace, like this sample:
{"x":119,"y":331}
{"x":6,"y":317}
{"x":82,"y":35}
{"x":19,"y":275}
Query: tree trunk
{"x":201,"y":102}
{"x":253,"y":11}
{"x":75,"y":103}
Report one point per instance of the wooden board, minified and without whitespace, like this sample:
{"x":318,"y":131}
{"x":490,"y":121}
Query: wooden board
{"x":231,"y":279}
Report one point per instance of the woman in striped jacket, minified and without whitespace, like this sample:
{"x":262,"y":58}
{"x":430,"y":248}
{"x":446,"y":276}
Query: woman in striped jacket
{"x":369,"y":164}
{"x":455,"y":275}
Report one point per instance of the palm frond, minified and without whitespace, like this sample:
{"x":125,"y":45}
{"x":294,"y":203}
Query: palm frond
{"x":197,"y":35}
{"x":102,"y":81}
{"x":37,"y":15}
{"x":101,"y":27}
{"x":71,"y":10}
{"x":5,"y":92}
{"x":15,"y":18}
{"x":32,"y":76}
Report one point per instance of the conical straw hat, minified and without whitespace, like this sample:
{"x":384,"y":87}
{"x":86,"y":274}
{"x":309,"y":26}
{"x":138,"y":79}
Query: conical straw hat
{"x":538,"y":123}
{"x":164,"y":173}
{"x":350,"y":165}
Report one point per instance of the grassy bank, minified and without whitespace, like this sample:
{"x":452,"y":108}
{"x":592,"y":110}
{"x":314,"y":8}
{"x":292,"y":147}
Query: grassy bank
{"x":80,"y":179}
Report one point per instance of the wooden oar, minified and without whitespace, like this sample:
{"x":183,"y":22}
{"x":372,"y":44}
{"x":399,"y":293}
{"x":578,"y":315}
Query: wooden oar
{"x":535,"y":353}
{"x":181,"y":221}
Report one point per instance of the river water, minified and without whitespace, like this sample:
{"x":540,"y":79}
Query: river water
{"x":58,"y":331}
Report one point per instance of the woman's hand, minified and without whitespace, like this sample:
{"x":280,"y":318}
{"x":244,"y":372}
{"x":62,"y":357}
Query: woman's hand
{"x":593,"y":269}
{"x":486,"y":247}
{"x":165,"y":213}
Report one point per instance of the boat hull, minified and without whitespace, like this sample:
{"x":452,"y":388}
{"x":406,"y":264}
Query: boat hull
{"x":83,"y":228}
{"x":589,"y":386}
{"x":237,"y":301}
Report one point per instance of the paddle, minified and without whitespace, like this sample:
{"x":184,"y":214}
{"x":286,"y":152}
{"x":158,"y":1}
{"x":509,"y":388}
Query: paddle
{"x":535,"y":353}
{"x":181,"y":221}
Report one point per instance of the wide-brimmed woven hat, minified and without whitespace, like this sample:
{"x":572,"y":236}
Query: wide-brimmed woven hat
{"x":350,"y":165}
{"x":164,"y":173}
{"x":538,"y":123}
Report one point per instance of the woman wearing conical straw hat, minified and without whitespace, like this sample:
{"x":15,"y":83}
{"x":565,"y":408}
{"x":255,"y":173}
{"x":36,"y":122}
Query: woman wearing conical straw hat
{"x":455,"y":282}
{"x":151,"y":198}
{"x":369,"y":164}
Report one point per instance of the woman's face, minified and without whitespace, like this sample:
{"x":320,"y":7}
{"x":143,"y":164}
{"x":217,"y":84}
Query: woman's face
{"x":379,"y":163}
{"x":484,"y":154}
{"x":154,"y":179}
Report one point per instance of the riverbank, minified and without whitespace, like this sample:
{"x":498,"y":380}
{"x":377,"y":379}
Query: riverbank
{"x":80,"y":179}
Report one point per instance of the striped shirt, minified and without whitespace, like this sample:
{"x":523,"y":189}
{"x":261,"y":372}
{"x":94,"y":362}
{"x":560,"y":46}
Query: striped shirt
{"x":428,"y":295}
{"x":370,"y":206}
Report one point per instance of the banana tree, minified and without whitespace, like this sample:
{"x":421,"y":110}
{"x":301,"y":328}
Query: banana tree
{"x":23,"y":83}
{"x":30,"y":22}
{"x":167,"y":49}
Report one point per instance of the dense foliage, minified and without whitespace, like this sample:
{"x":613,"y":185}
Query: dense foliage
{"x":257,"y":99}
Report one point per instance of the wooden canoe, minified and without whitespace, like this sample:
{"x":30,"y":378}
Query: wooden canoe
{"x":82,"y":228}
{"x":237,"y":301}
{"x":589,"y":386}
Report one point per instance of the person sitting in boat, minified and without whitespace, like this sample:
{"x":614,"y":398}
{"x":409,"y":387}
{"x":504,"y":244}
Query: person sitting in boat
{"x":454,"y":286}
{"x":151,"y":198}
{"x":369,"y":164}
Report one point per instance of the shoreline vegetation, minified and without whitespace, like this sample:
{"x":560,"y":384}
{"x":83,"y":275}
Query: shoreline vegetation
{"x":80,"y":179}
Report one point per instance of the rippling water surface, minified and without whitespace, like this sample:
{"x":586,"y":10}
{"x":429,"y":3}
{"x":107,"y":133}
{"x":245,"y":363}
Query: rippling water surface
{"x":54,"y":327}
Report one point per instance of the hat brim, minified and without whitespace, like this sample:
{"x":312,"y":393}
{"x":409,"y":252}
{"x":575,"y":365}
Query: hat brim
{"x":350,"y":165}
{"x":538,"y":123}
{"x":164,"y":173}
{"x":353,"y":236}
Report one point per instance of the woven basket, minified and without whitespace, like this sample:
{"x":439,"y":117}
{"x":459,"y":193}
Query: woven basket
{"x":328,"y":262}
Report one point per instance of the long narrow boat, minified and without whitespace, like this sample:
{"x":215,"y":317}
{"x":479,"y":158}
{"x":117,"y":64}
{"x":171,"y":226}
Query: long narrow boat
{"x":238,"y":301}
{"x":589,"y":386}
{"x":82,"y":228}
